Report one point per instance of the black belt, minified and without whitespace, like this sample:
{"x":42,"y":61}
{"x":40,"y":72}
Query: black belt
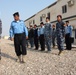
{"x":19,"y":34}
{"x":41,"y":34}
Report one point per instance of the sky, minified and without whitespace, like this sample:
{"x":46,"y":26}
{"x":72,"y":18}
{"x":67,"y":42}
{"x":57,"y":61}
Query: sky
{"x":26,"y":8}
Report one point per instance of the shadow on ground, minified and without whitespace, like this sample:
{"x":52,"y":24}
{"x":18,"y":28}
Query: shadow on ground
{"x":7,"y":56}
{"x":10,"y":44}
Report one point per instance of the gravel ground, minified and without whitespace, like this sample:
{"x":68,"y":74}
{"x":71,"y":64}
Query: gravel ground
{"x":37,"y":63}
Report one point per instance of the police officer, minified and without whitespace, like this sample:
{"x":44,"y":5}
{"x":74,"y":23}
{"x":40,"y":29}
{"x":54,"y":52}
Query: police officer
{"x":60,"y":29}
{"x":36,"y":37}
{"x":31,"y":36}
{"x":0,"y":36}
{"x":20,"y":33}
{"x":48,"y":34}
{"x":41,"y":36}
{"x":68,"y":35}
{"x":53,"y":35}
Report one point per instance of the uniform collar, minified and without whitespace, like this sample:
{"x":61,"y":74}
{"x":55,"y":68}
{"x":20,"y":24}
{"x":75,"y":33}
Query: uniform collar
{"x":48,"y":22}
{"x":18,"y":21}
{"x":42,"y":27}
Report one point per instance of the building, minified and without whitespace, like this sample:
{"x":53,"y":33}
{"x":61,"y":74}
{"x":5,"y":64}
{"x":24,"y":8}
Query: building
{"x":66,"y":8}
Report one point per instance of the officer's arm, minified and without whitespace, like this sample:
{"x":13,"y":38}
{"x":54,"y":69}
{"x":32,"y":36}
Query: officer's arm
{"x":63,"y":29}
{"x":25,"y":30}
{"x":71,"y":28}
{"x":11,"y":31}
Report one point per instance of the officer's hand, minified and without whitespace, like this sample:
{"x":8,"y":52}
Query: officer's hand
{"x":11,"y":39}
{"x":37,"y":37}
{"x":49,"y":36}
{"x":26,"y":37}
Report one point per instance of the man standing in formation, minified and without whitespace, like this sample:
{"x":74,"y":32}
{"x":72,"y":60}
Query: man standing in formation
{"x":31,"y":36}
{"x":0,"y":36}
{"x":19,"y":31}
{"x":60,"y":31}
{"x":68,"y":35}
{"x":48,"y":34}
{"x":41,"y":36}
{"x":53,"y":35}
{"x":36,"y":37}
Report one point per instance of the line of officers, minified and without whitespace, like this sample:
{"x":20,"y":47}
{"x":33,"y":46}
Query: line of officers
{"x":46,"y":35}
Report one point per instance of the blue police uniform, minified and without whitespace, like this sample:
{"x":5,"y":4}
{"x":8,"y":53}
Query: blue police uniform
{"x":18,"y":27}
{"x":53,"y":36}
{"x":48,"y":35}
{"x":41,"y":38}
{"x":60,"y":31}
{"x":68,"y":35}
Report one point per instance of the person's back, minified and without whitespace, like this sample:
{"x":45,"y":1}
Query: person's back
{"x":0,"y":28}
{"x":0,"y":36}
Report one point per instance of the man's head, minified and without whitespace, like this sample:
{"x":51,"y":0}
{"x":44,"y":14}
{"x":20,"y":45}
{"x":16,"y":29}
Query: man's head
{"x":16,"y":16}
{"x":59,"y":18}
{"x":41,"y":24}
{"x":53,"y":26}
{"x":67,"y":22}
{"x":31,"y":27}
{"x":35,"y":26}
{"x":47,"y":19}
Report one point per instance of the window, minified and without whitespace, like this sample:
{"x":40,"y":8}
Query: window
{"x":48,"y":15}
{"x":33,"y":21}
{"x":29,"y":23}
{"x":40,"y":18}
{"x":64,"y":9}
{"x":75,"y":33}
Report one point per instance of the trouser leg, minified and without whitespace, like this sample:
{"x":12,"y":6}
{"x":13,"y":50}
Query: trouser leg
{"x":17,"y":45}
{"x":23,"y":45}
{"x":68,"y":43}
{"x":48,"y":43}
{"x":36,"y":43}
{"x":60,"y":43}
{"x":53,"y":41}
{"x":32,"y":42}
{"x":42,"y":42}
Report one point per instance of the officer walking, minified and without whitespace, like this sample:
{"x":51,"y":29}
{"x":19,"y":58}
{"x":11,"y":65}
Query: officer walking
{"x":60,"y":29}
{"x":48,"y":34}
{"x":19,"y":31}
